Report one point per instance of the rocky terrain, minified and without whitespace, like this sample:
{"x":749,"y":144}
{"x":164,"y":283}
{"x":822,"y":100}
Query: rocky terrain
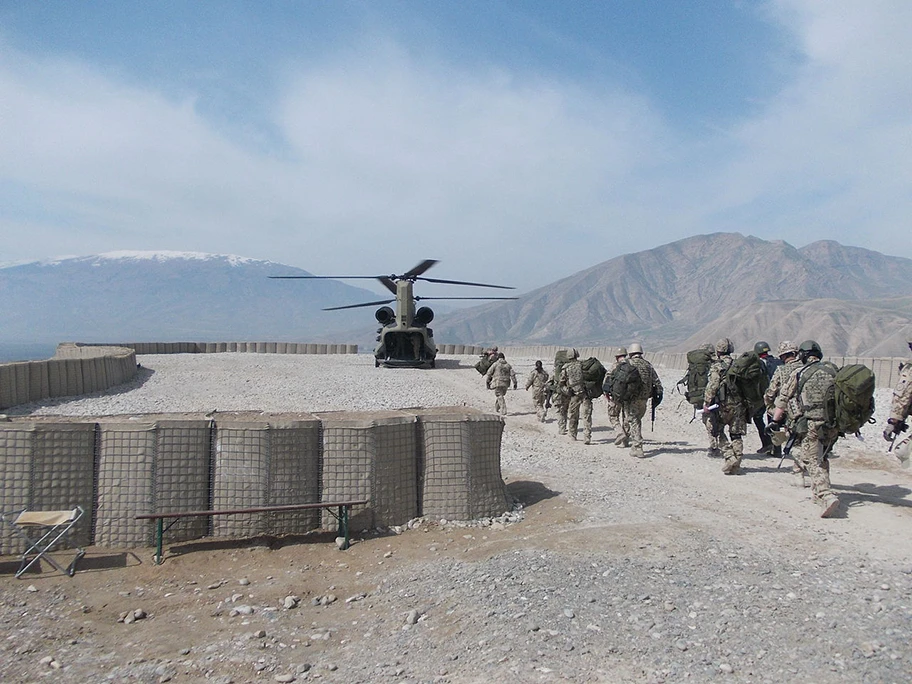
{"x":677,"y":296}
{"x":609,"y":569}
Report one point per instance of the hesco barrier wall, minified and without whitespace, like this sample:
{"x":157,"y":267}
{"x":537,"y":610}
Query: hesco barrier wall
{"x":73,"y":370}
{"x":443,"y":462}
{"x":222,"y":347}
{"x":886,"y":370}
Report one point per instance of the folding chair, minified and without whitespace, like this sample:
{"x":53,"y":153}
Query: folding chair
{"x":41,"y":530}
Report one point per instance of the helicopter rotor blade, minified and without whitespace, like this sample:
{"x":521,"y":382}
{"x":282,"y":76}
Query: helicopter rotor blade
{"x":418,"y":299}
{"x":463,"y":282}
{"x":388,"y":283}
{"x":358,"y":306}
{"x":313,"y":277}
{"x":419,"y":269}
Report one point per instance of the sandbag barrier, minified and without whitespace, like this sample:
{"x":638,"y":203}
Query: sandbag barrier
{"x":442,"y":462}
{"x":78,"y":370}
{"x":229,"y":347}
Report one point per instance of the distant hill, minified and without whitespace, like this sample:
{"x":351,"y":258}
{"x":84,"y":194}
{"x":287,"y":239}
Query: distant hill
{"x":701,"y":287}
{"x":171,"y":296}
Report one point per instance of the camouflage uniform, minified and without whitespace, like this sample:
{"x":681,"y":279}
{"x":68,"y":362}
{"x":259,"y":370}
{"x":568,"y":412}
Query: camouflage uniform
{"x":615,"y":417}
{"x":499,"y":378}
{"x":538,"y":381}
{"x":814,"y":441}
{"x":732,"y":411}
{"x":559,"y":401}
{"x":780,"y":377}
{"x":902,"y":394}
{"x":579,"y":404}
{"x":635,"y":409}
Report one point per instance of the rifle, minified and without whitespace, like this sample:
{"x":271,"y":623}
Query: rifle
{"x":714,"y":423}
{"x":656,"y":400}
{"x":787,"y":448}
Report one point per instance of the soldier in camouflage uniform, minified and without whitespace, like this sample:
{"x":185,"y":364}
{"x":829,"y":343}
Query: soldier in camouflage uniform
{"x":499,"y":377}
{"x":538,"y":381}
{"x":901,"y":405}
{"x":635,"y":409}
{"x":802,"y":398}
{"x":732,"y":411}
{"x":615,"y":418}
{"x":559,"y":401}
{"x":788,"y":354}
{"x":579,"y":404}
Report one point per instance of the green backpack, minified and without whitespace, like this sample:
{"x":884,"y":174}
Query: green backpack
{"x":698,"y":363}
{"x":849,"y":400}
{"x":485,"y":362}
{"x":626,"y":383}
{"x":593,"y":376}
{"x":747,"y":377}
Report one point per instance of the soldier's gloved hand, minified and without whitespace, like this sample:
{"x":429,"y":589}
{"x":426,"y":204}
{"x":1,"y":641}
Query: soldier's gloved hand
{"x":772,"y":427}
{"x":889,"y":433}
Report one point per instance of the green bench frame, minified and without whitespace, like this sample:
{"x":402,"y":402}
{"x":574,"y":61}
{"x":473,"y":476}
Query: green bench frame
{"x":342,"y":515}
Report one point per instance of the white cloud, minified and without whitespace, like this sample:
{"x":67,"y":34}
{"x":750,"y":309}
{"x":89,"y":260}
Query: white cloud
{"x":504,"y":176}
{"x":828,"y":156}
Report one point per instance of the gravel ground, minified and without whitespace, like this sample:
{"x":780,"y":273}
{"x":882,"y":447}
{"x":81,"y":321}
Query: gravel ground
{"x":618,"y":569}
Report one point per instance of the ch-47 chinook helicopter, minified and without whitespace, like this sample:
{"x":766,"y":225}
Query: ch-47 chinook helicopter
{"x":404,"y":338}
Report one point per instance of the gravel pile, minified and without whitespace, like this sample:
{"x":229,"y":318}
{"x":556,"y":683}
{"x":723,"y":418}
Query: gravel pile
{"x":621,"y":570}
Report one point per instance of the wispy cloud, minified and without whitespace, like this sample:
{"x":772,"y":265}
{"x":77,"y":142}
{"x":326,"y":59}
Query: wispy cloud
{"x":387,"y":158}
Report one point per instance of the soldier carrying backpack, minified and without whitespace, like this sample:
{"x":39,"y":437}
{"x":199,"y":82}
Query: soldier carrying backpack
{"x":727,"y":388}
{"x":633,"y":382}
{"x":822,"y":403}
{"x":694,"y":383}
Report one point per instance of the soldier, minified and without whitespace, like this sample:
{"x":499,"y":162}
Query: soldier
{"x":770,"y":364}
{"x":538,"y":381}
{"x":635,"y":408}
{"x":902,"y":401}
{"x":788,"y":355}
{"x":802,"y":396}
{"x":615,"y":417}
{"x":579,"y":403}
{"x":731,"y":412}
{"x":500,"y":375}
{"x":559,"y":401}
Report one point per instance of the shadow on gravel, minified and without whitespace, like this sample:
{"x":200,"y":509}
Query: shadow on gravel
{"x":657,"y":449}
{"x":271,"y":542}
{"x":92,"y":561}
{"x":452,"y":363}
{"x":529,"y":493}
{"x":867,"y":493}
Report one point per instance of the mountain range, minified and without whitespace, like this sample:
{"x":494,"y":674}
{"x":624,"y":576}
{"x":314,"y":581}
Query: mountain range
{"x":853,"y":301}
{"x":675,"y":297}
{"x":171,"y":296}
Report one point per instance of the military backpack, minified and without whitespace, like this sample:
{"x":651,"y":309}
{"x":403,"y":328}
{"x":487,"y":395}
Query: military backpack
{"x":747,"y":378}
{"x":698,"y":363}
{"x":848,"y":399}
{"x":485,"y":362}
{"x":593,"y":376}
{"x":626,"y":383}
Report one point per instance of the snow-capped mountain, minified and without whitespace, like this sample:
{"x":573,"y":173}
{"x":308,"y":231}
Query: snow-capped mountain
{"x":135,"y":296}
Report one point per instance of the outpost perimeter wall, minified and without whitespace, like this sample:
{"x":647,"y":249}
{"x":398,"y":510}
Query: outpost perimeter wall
{"x":441,"y":462}
{"x":79,"y":368}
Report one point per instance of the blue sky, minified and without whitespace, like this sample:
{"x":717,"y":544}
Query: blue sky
{"x":517,"y":142}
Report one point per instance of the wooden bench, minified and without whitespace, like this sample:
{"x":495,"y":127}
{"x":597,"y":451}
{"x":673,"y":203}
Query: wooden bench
{"x":342,"y":515}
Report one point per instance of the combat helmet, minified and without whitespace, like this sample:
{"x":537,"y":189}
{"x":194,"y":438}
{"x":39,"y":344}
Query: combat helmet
{"x":809,"y":348}
{"x":761,"y":348}
{"x":786,"y":347}
{"x":621,"y":351}
{"x":635,"y":348}
{"x":724,"y":346}
{"x":573,"y":354}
